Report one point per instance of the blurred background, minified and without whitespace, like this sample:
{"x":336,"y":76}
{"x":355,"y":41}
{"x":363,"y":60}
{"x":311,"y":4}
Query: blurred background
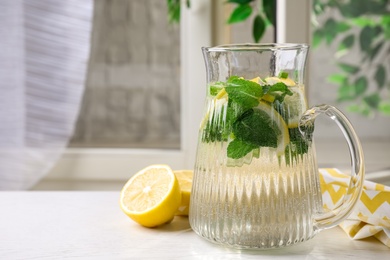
{"x":142,"y":86}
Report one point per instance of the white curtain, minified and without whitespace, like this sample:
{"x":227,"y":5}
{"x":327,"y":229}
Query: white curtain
{"x":44,"y":49}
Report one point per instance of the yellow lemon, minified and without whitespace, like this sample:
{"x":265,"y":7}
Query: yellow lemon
{"x":185,"y":181}
{"x":273,"y":80}
{"x":152,"y":196}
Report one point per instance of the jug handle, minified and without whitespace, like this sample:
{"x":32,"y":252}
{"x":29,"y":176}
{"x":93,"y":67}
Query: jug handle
{"x":344,"y":209}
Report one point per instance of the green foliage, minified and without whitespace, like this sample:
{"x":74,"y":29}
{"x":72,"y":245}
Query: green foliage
{"x":243,"y":10}
{"x":240,"y":13}
{"x":259,"y":26}
{"x":174,"y":10}
{"x":364,"y":26}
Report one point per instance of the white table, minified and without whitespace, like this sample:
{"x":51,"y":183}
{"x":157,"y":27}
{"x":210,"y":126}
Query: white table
{"x":90,"y":225}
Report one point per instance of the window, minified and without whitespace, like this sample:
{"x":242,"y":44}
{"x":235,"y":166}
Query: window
{"x":120,"y":163}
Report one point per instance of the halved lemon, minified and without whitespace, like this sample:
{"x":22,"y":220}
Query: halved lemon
{"x":283,"y":137}
{"x":185,"y":181}
{"x":152,"y":196}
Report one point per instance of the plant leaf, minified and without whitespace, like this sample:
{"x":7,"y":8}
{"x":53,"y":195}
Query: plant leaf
{"x":238,"y":149}
{"x":258,"y":28}
{"x":372,"y":100}
{"x":380,"y":76}
{"x":337,"y":78}
{"x":329,"y":30}
{"x":347,"y":43}
{"x":367,"y":36}
{"x":346,"y":93}
{"x":360,"y":86}
{"x":269,"y":8}
{"x":244,"y":92}
{"x":318,"y":35}
{"x":342,"y":27}
{"x":240,"y":2}
{"x":257,"y":128}
{"x":385,"y":21}
{"x":240,"y":13}
{"x":348,"y":68}
{"x":384,"y":107}
{"x":374,"y":51}
{"x":173,"y":11}
{"x":363,"y":21}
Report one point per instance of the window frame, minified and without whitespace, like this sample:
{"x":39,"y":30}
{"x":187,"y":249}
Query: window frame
{"x":118,"y":163}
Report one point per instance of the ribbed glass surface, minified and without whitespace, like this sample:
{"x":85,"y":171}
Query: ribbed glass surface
{"x":264,"y":204}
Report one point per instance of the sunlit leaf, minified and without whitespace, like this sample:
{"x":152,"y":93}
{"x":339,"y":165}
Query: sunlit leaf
{"x":385,"y":21}
{"x":258,"y":28}
{"x":353,"y":108}
{"x":384,"y":107}
{"x":337,"y":78}
{"x":351,"y":69}
{"x":363,"y":21}
{"x":380,"y":76}
{"x":240,"y":13}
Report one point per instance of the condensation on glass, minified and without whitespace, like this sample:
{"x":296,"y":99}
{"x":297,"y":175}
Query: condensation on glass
{"x":132,"y":95}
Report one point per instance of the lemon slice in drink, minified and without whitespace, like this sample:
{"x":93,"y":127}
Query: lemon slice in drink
{"x":273,"y":80}
{"x":294,"y":106}
{"x":152,"y":196}
{"x":283,"y":137}
{"x":185,"y":181}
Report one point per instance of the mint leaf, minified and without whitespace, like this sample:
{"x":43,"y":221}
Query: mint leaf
{"x":238,"y":149}
{"x":216,"y":129}
{"x":257,"y":128}
{"x":279,"y":90}
{"x":215,"y":88}
{"x":243,"y":92}
{"x":283,"y":75}
{"x":297,"y":147}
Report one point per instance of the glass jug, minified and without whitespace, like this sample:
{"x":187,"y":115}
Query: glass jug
{"x":256,"y":182}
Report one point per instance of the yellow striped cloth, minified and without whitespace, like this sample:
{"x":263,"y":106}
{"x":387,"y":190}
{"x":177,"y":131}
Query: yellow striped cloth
{"x":371,"y":215}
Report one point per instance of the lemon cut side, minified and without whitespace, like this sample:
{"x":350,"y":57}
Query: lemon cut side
{"x":185,"y":181}
{"x":152,"y":196}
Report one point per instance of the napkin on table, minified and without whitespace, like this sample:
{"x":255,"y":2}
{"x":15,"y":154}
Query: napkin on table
{"x":371,"y":215}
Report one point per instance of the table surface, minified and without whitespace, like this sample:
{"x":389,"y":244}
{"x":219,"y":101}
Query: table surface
{"x":90,"y":225}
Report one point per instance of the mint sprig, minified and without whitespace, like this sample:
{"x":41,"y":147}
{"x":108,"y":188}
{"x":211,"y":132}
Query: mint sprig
{"x":247,"y":127}
{"x":279,"y":90}
{"x":243,"y":92}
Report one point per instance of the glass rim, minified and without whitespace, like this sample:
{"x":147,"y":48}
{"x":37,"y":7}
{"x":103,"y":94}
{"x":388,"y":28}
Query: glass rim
{"x":256,"y":47}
